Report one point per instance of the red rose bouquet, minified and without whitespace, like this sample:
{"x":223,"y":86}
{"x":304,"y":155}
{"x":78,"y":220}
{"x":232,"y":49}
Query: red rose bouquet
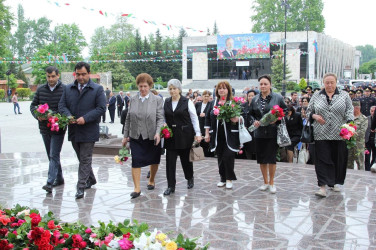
{"x":57,"y":122}
{"x":166,"y":132}
{"x":276,"y":113}
{"x":227,"y":110}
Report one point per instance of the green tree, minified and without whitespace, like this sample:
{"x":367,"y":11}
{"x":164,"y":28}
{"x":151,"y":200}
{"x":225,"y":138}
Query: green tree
{"x":99,"y":40}
{"x":12,"y":81}
{"x":299,"y":15}
{"x":120,"y":74}
{"x":182,"y":33}
{"x":2,"y":94}
{"x":23,"y":92}
{"x":302,"y":83}
{"x":6,"y":21}
{"x":368,"y":67}
{"x":368,"y":53}
{"x":277,"y":70}
{"x":21,"y":75}
{"x":215,"y":28}
{"x":31,"y":35}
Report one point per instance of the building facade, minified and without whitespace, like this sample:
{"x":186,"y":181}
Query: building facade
{"x":308,"y":54}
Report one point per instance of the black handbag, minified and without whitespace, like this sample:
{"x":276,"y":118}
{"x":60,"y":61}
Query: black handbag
{"x":307,"y":133}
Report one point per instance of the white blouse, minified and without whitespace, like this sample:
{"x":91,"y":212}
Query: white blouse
{"x":192,"y":114}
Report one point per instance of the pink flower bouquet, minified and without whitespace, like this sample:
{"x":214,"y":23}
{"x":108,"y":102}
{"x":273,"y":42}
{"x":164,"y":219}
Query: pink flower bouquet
{"x":347,"y":133}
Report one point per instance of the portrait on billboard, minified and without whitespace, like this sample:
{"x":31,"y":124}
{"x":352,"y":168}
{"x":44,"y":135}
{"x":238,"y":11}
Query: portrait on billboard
{"x":243,"y":46}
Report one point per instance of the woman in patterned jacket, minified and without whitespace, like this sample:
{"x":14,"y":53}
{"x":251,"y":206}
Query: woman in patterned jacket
{"x":329,"y":109}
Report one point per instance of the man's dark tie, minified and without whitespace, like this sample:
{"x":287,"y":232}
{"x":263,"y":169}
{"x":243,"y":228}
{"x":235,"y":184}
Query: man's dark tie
{"x":81,"y":87}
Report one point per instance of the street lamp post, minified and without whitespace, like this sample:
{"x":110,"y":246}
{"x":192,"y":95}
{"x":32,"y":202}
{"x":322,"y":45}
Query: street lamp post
{"x":307,"y":67}
{"x":285,"y":4}
{"x":9,"y":92}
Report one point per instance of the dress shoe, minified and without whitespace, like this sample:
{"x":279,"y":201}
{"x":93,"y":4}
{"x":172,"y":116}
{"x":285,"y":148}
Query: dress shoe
{"x":272,"y":189}
{"x":221,"y":184}
{"x":228,"y":184}
{"x":58,"y":183}
{"x":190,"y":183}
{"x":264,"y":187}
{"x":135,"y":194}
{"x":111,"y":122}
{"x":169,"y":191}
{"x":148,"y":176}
{"x":48,"y":188}
{"x":80,"y":193}
{"x":150,"y":187}
{"x":89,"y":184}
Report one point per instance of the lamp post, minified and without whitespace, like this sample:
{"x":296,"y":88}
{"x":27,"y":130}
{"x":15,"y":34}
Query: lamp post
{"x":285,"y":4}
{"x":307,"y":67}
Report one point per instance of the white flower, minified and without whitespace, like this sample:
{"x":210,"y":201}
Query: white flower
{"x":141,"y":243}
{"x":156,"y":246}
{"x":114,"y":244}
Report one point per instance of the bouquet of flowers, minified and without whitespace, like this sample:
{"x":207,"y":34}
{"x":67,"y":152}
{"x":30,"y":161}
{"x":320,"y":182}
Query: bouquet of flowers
{"x":348,"y":130}
{"x":42,"y":111}
{"x":123,"y":155}
{"x":166,"y":132}
{"x":276,"y":113}
{"x":58,"y":121}
{"x":227,"y":110}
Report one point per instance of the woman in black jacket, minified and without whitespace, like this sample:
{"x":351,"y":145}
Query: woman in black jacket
{"x":249,"y":147}
{"x":266,"y":136}
{"x":201,"y":110}
{"x":223,"y":136}
{"x":294,"y":124}
{"x":181,"y":118}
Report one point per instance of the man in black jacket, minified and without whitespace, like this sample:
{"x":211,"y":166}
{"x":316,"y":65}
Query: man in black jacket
{"x":50,"y":93}
{"x":120,"y":103}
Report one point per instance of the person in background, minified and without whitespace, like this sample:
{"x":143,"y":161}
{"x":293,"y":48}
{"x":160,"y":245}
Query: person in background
{"x":266,"y":136}
{"x":127,"y":97}
{"x":104,"y":114}
{"x":370,"y":142}
{"x":249,"y":147}
{"x":119,"y":103}
{"x":223,"y":136}
{"x":359,"y":94}
{"x":295,"y":100}
{"x":201,"y":110}
{"x":294,"y":126}
{"x":181,"y":118}
{"x":107,"y":94}
{"x":328,"y":110}
{"x":352,"y":94}
{"x":142,"y":131}
{"x":50,"y":93}
{"x":309,"y":91}
{"x":15,"y":103}
{"x":111,"y":106}
{"x":357,"y":153}
{"x":367,"y":101}
{"x":85,"y":101}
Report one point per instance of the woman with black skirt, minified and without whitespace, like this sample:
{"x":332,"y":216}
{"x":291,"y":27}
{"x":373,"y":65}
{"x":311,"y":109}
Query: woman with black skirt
{"x":141,"y":130}
{"x":223,"y":136}
{"x":294,"y":124}
{"x":181,"y":118}
{"x":266,"y":136}
{"x":201,"y":110}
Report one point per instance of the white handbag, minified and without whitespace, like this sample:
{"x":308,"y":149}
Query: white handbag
{"x":303,"y":155}
{"x":244,"y":135}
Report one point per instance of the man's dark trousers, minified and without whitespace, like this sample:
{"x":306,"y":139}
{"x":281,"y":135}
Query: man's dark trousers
{"x":84,"y":152}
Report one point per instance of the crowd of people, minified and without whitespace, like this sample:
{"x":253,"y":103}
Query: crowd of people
{"x":192,"y":120}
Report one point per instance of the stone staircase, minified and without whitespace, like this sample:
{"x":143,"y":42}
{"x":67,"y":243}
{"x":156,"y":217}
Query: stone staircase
{"x":108,"y":145}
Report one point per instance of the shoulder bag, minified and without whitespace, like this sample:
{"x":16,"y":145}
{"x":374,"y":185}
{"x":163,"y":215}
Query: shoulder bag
{"x":283,"y":138}
{"x":244,"y":135}
{"x":307,"y":133}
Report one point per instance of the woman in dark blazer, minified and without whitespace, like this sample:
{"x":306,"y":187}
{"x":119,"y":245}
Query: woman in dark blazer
{"x":181,"y":118}
{"x":294,"y":124}
{"x":266,"y":136}
{"x":201,"y":110}
{"x":142,"y":127}
{"x":249,"y":147}
{"x":223,"y":136}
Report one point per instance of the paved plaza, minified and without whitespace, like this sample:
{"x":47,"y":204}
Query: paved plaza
{"x":241,"y":218}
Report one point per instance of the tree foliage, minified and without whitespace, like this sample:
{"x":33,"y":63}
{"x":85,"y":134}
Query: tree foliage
{"x":6,"y":21}
{"x":215,"y":28}
{"x":277,"y":70}
{"x":299,"y":15}
{"x":21,"y":75}
{"x":12,"y":81}
{"x":368,"y":67}
{"x":302,"y":83}
{"x":368,"y":53}
{"x":23,"y":92}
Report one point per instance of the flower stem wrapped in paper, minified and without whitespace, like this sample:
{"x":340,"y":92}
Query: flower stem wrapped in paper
{"x":348,"y":130}
{"x":276,"y":113}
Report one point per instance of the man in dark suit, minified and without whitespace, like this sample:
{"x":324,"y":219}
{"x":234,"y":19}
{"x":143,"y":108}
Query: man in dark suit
{"x":85,"y":101}
{"x":370,"y":143}
{"x":120,"y":103}
{"x":229,"y":52}
{"x":111,"y":106}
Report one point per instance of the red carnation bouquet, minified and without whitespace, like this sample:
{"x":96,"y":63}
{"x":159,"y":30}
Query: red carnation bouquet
{"x":166,"y":132}
{"x":42,"y":111}
{"x":227,"y":110}
{"x":58,"y":121}
{"x":276,"y":113}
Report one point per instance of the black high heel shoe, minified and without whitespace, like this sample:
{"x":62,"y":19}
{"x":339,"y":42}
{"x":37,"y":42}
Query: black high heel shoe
{"x":135,"y":194}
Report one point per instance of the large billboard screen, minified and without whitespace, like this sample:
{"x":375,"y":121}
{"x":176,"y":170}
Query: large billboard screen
{"x":243,"y":46}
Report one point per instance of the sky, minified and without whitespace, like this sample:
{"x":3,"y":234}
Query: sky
{"x":347,"y":20}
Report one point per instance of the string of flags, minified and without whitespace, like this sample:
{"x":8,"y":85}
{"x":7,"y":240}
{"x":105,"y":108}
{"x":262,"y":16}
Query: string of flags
{"x":105,"y":13}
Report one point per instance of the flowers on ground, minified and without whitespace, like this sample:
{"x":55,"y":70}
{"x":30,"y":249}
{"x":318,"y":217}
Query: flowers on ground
{"x":276,"y":113}
{"x":123,"y":155}
{"x":227,"y":110}
{"x":348,"y":130}
{"x":20,"y":229}
{"x":166,"y":132}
